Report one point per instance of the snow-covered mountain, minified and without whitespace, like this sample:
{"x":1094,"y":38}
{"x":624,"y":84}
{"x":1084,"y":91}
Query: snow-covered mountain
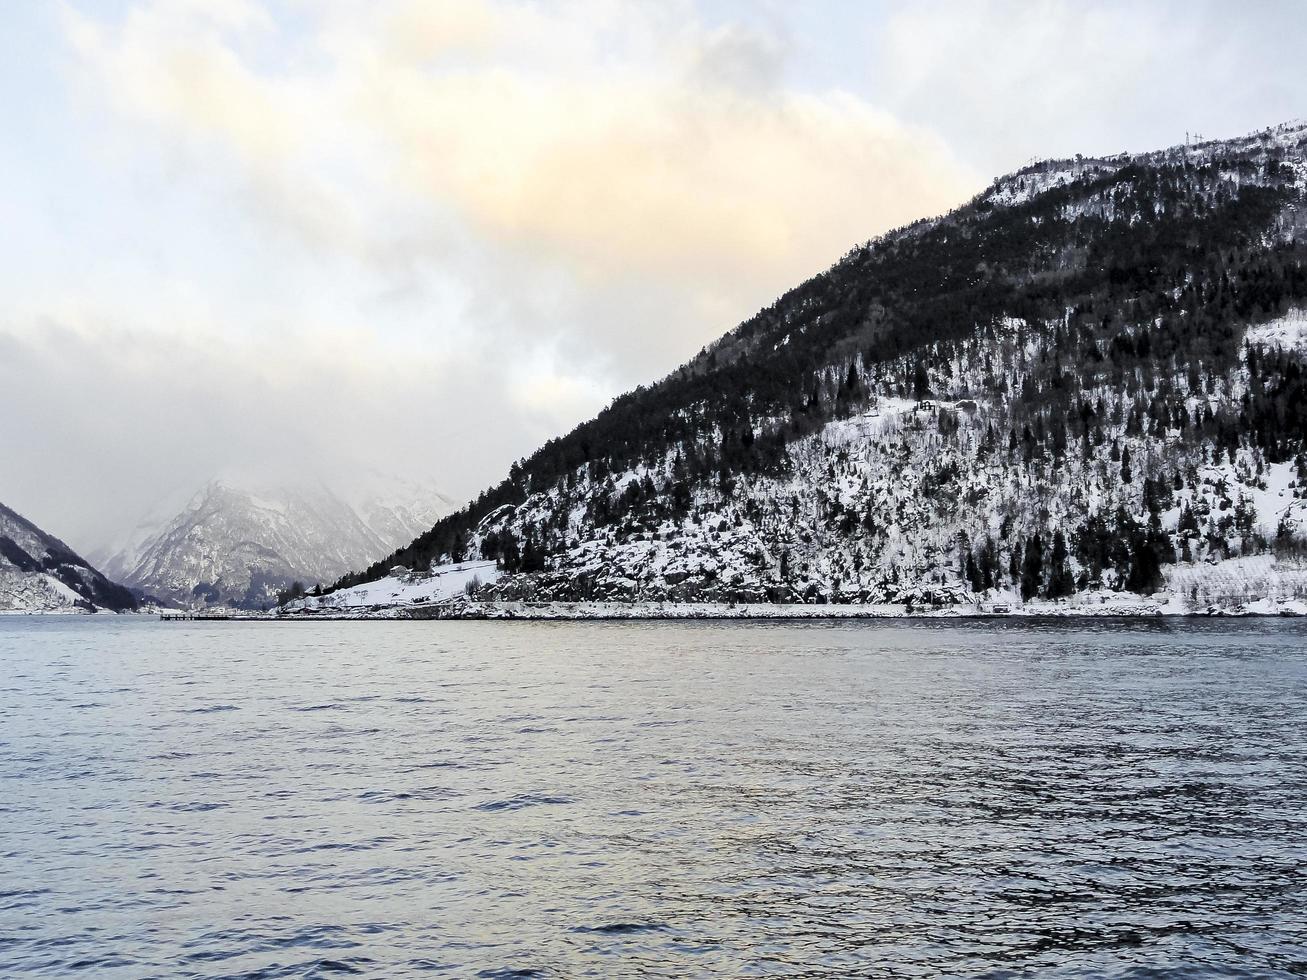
{"x":1089,"y":379}
{"x":239,"y":545}
{"x":39,"y":573}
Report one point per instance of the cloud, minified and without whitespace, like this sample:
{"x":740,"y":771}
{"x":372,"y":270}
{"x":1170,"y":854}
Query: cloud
{"x":613,"y":144}
{"x":125,"y":416}
{"x":400,"y":234}
{"x":1008,"y":80}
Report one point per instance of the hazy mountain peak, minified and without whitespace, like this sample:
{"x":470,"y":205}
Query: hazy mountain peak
{"x":239,"y":540}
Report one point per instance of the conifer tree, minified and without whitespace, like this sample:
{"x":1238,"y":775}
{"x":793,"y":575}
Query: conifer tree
{"x":1032,"y":568}
{"x":1060,"y":583}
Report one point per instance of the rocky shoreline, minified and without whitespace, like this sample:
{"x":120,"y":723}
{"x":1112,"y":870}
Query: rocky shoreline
{"x":1110,"y":607}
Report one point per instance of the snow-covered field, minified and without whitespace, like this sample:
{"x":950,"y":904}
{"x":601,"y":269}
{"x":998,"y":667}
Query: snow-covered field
{"x":403,"y":589}
{"x":1256,"y":583}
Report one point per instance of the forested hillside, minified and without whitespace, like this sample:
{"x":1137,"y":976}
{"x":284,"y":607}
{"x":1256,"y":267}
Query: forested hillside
{"x":40,"y":574}
{"x":1089,"y":378}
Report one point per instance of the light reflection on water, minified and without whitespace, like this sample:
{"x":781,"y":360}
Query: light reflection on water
{"x":512,"y":799}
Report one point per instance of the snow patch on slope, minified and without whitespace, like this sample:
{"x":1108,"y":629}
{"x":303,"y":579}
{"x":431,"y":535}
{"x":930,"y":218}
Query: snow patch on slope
{"x":403,"y":588}
{"x":1288,"y":332}
{"x":24,"y":593}
{"x":1028,"y":184}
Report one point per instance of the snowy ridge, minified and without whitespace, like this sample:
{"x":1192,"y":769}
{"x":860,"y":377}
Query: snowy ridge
{"x":1027,"y":184}
{"x":1282,"y":142}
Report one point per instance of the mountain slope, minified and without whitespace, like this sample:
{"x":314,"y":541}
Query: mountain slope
{"x":1089,"y":378}
{"x":39,"y":573}
{"x":240,"y":546}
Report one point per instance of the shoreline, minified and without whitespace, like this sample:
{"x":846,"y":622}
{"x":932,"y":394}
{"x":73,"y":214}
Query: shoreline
{"x":652,"y":612}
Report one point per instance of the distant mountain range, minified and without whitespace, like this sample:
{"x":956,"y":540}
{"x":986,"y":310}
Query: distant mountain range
{"x":1091,"y":378}
{"x":39,"y":573}
{"x":239,"y":545}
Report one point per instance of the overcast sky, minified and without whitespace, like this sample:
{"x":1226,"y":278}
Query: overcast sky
{"x":423,"y":237}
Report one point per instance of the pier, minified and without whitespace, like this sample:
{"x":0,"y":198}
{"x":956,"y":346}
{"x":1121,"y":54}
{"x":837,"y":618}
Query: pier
{"x":177,"y":617}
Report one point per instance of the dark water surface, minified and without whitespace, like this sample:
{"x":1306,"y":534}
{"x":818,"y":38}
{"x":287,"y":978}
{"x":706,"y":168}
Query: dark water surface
{"x":563,"y":800}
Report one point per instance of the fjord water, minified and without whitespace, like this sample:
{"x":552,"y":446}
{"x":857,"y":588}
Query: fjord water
{"x":653,"y":799}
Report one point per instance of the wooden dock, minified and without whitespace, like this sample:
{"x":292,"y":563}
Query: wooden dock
{"x":178,"y":617}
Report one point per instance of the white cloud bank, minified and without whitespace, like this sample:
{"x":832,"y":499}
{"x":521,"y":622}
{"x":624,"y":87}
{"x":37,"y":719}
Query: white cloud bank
{"x":1007,"y":80}
{"x":414,"y":235}
{"x":608,"y":144}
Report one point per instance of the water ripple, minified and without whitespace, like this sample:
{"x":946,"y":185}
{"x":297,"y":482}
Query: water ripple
{"x":661,"y":800}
